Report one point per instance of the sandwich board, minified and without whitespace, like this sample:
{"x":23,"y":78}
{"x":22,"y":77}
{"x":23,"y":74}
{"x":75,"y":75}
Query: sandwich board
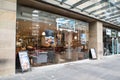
{"x":24,"y":61}
{"x":93,"y":54}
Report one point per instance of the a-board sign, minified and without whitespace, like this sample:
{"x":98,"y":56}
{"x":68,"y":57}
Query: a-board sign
{"x":93,"y":53}
{"x":24,"y":60}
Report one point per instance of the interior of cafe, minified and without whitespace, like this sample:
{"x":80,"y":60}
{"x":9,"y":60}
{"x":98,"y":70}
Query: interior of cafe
{"x":50,"y":38}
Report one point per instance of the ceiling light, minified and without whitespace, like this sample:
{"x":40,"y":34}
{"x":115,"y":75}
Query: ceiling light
{"x":69,"y":30}
{"x":35,"y":15}
{"x":43,"y":33}
{"x":35,"y":11}
{"x":37,"y":25}
{"x":75,"y":31}
{"x":60,"y":29}
{"x":75,"y":37}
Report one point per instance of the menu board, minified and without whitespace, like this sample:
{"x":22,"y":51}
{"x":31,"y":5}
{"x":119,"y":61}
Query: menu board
{"x":49,"y":37}
{"x":93,"y":53}
{"x":24,"y":60}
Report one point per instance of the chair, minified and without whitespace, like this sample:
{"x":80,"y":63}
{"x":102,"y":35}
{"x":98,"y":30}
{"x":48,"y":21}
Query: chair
{"x":40,"y":58}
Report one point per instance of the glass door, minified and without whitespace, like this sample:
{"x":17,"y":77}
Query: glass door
{"x":115,"y":49}
{"x":118,"y":45}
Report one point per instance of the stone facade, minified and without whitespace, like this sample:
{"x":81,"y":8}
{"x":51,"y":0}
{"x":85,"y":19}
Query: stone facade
{"x":96,"y":37}
{"x":7,"y":36}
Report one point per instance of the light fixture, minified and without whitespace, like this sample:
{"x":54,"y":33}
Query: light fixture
{"x":35,"y":15}
{"x":75,"y":37}
{"x":35,"y":11}
{"x":69,"y":30}
{"x":60,"y":29}
{"x":50,"y":24}
{"x":43,"y":33}
{"x":76,"y":31}
{"x":37,"y":25}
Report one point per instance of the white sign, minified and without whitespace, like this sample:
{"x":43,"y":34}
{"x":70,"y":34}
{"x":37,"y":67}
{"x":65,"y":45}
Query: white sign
{"x":118,"y":34}
{"x":24,"y":60}
{"x":93,"y":53}
{"x":65,"y":24}
{"x":108,"y":32}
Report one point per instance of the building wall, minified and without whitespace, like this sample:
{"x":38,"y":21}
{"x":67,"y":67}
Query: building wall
{"x":96,"y":37}
{"x":7,"y":36}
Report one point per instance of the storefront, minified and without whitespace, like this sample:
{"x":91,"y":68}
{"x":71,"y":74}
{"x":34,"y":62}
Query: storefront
{"x":111,"y":41}
{"x":50,"y":38}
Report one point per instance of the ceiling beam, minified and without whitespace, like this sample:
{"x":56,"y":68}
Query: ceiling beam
{"x":105,"y":7}
{"x":103,"y":13}
{"x":112,"y":14}
{"x":79,"y":3}
{"x":115,"y":5}
{"x":62,"y":1}
{"x":93,"y":5}
{"x":113,"y":20}
{"x":116,"y":22}
{"x":112,"y":17}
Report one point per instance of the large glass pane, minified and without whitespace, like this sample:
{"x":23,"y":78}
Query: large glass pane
{"x":50,"y":38}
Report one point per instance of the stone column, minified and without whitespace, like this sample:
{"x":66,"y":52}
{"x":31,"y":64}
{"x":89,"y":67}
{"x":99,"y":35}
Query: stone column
{"x":96,"y":37}
{"x":7,"y":36}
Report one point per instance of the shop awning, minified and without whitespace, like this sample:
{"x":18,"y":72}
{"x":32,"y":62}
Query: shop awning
{"x":105,"y":10}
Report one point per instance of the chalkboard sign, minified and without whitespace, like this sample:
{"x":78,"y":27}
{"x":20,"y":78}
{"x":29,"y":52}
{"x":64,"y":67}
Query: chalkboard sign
{"x":24,"y":61}
{"x":93,"y":53}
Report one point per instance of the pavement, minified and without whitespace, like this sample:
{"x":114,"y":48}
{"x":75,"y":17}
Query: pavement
{"x":107,"y":68}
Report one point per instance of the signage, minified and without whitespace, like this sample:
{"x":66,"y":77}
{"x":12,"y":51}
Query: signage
{"x":93,"y":53}
{"x":65,"y":24}
{"x":49,"y":37}
{"x":24,"y":60}
{"x":113,"y":34}
{"x":83,"y":38}
{"x":118,"y":34}
{"x":108,"y":32}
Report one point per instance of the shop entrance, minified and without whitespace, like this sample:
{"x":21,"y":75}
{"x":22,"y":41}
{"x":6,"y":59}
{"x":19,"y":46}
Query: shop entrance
{"x":114,"y":45}
{"x":111,"y":41}
{"x":118,"y":45}
{"x":107,"y":45}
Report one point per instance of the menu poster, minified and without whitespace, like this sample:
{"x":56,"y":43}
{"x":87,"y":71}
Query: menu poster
{"x":83,"y":38}
{"x":93,"y":53}
{"x":24,"y":60}
{"x":49,"y":37}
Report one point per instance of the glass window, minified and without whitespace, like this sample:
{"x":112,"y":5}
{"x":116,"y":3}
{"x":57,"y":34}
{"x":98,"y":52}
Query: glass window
{"x":50,"y":38}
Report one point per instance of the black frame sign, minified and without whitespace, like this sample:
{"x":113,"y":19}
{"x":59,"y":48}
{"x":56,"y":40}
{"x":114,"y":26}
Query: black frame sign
{"x":93,"y":53}
{"x":24,"y":61}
